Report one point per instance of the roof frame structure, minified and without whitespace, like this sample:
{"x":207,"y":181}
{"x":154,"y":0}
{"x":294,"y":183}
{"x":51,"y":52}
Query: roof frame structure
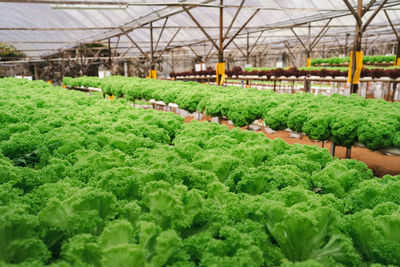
{"x":164,"y":17}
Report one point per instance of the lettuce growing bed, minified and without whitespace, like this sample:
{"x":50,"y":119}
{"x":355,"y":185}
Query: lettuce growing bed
{"x":346,"y":120}
{"x":88,"y":182}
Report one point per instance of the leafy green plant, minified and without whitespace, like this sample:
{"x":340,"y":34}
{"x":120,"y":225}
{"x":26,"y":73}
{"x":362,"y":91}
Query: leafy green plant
{"x":114,"y":185}
{"x":320,"y":117}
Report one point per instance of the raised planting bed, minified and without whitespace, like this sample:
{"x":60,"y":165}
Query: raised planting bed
{"x":320,"y":117}
{"x":89,"y":182}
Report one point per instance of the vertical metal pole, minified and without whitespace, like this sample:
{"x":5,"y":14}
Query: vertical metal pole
{"x":348,"y":153}
{"x":309,"y":46}
{"x":346,"y":44}
{"x":397,"y":54}
{"x":126,"y":69}
{"x":308,"y":64}
{"x":50,"y":73}
{"x":356,"y":48}
{"x":247,"y":48}
{"x":204,"y":53}
{"x":152,"y":45}
{"x":109,"y":54}
{"x":220,"y":65}
{"x":35,"y":69}
{"x":333,"y":148}
{"x":388,"y":90}
{"x":81,"y":71}
{"x":396,"y":63}
{"x":221,"y":33}
{"x":62,"y":67}
{"x":248,"y":56}
{"x":292,"y":89}
{"x":172,"y":60}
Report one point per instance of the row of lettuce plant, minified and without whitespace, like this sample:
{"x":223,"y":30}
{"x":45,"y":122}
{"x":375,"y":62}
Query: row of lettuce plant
{"x":341,"y":69}
{"x":345,"y":120}
{"x":342,"y":60}
{"x":375,"y":73}
{"x":87,"y":182}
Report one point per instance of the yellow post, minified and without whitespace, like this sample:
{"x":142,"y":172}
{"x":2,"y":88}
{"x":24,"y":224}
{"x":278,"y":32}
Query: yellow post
{"x":397,"y":62}
{"x":111,"y":97}
{"x":308,"y":62}
{"x":397,"y":59}
{"x":152,"y":74}
{"x":221,"y":73}
{"x":359,"y":66}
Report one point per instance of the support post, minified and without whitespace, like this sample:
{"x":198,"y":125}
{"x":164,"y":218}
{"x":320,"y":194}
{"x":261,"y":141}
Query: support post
{"x":247,"y":55}
{"x":309,"y":45}
{"x":153,"y":72}
{"x":394,"y":90}
{"x":306,"y":85}
{"x":333,"y":149}
{"x":109,"y":54}
{"x":126,"y":69}
{"x":221,"y":64}
{"x":247,"y":47}
{"x":172,"y":60}
{"x":356,"y":54}
{"x":356,"y":57}
{"x":348,"y":152}
{"x":346,"y":43}
{"x":62,"y":67}
{"x":35,"y":69}
{"x":81,"y":70}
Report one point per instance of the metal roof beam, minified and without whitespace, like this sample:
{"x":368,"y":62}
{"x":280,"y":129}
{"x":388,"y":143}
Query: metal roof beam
{"x":241,"y":28}
{"x":233,"y":19}
{"x":200,"y":27}
{"x":392,"y":26}
{"x":137,"y":46}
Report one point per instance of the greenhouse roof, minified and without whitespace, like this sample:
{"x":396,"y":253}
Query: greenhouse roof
{"x":41,"y":28}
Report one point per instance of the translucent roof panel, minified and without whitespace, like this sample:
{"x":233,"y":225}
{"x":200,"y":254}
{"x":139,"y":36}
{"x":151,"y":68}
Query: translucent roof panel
{"x":51,"y":26}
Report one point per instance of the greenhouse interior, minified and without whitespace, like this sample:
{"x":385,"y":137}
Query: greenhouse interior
{"x":183,"y":133}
